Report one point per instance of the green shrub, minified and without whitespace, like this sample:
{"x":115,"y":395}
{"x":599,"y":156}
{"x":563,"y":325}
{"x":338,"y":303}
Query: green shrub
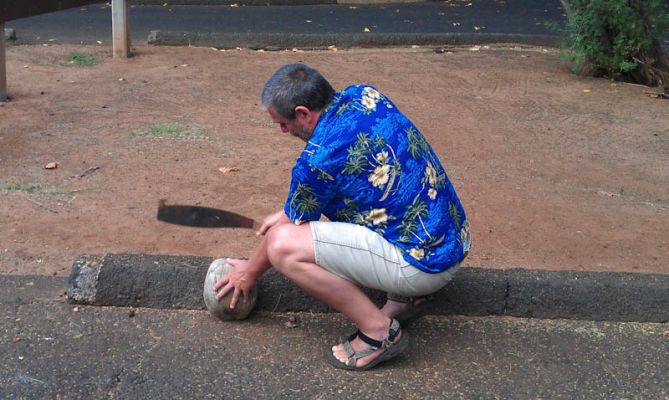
{"x":611,"y":37}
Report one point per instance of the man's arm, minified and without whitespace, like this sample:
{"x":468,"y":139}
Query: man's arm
{"x":245,"y":272}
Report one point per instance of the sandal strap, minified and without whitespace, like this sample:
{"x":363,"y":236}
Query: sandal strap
{"x":353,"y":356}
{"x":393,"y":330}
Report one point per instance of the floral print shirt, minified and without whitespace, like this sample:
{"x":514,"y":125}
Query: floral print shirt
{"x":367,"y":164}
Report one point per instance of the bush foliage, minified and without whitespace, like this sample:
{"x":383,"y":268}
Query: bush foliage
{"x":614,"y":37}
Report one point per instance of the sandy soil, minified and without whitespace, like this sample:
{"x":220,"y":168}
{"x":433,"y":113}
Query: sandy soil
{"x":555,"y":171}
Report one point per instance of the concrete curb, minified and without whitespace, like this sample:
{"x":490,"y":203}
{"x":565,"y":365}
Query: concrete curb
{"x":155,"y":281}
{"x":10,"y":34}
{"x":341,"y":40}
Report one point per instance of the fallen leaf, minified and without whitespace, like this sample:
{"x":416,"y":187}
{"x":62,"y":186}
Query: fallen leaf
{"x":51,"y":165}
{"x":666,"y":334}
{"x":366,"y":30}
{"x":587,"y":90}
{"x":291,"y":323}
{"x":99,"y":42}
{"x":227,"y":170}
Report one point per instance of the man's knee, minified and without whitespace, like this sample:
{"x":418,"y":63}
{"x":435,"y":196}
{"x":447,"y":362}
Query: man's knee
{"x":282,"y":245}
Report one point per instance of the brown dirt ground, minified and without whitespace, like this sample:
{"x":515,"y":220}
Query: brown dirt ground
{"x":555,"y":171}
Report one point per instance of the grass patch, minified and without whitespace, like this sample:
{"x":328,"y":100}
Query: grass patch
{"x":79,"y":59}
{"x":170,"y":131}
{"x":23,"y":187}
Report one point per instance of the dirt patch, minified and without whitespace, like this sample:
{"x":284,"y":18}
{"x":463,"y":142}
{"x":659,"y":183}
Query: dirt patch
{"x":555,"y":171}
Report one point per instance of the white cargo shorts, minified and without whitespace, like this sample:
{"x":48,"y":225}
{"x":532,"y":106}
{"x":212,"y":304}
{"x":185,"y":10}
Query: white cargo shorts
{"x":364,"y":257}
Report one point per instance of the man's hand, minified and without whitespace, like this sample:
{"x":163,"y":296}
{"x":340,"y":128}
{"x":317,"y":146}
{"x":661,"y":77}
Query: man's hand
{"x":270,"y":221}
{"x":239,"y":279}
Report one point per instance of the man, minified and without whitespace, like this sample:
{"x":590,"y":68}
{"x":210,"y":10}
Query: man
{"x":395,"y":222}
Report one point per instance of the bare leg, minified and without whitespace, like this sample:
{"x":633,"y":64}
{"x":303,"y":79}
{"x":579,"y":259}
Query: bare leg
{"x":291,"y":251}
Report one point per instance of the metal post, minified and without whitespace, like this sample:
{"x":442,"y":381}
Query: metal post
{"x":120,"y":30}
{"x":3,"y":68}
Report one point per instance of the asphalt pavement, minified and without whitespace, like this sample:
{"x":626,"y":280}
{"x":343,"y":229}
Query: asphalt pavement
{"x":51,"y":349}
{"x":313,"y":25}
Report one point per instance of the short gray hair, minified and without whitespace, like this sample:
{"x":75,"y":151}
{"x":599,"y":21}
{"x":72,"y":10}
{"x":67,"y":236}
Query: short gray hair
{"x":296,"y":85}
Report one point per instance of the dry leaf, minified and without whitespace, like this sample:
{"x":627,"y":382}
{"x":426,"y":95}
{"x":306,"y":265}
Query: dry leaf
{"x":291,"y":323}
{"x":227,"y":170}
{"x":587,"y":90}
{"x":99,"y":42}
{"x":51,"y":165}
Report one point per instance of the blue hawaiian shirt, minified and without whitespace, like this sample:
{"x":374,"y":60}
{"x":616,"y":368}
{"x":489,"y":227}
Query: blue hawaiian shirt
{"x":367,"y":164}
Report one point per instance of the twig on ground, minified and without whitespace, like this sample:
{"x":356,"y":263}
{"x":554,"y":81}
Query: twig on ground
{"x":277,"y":302}
{"x":41,"y":205}
{"x":86,"y":172}
{"x":656,"y":95}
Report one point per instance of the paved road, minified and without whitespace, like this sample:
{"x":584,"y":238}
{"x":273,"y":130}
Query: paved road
{"x":90,"y":24}
{"x":52,"y":349}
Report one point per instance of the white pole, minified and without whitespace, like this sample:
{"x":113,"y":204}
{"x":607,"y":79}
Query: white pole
{"x":3,"y":67}
{"x":120,"y":30}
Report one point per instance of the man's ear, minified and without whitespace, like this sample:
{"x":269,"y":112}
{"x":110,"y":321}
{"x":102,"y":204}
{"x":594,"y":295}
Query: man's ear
{"x":303,"y":114}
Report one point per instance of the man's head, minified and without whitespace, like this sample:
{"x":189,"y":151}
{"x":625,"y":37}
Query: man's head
{"x":295,"y":96}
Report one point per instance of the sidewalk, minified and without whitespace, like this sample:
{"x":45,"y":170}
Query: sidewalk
{"x":52,"y":349}
{"x":435,"y":23}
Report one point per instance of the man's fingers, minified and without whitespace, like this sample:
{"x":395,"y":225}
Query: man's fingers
{"x":235,"y":298}
{"x":221,"y":282}
{"x":224,"y":291}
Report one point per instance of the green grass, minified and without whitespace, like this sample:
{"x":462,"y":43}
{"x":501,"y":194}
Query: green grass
{"x":170,"y":131}
{"x":31,"y":188}
{"x":79,"y":59}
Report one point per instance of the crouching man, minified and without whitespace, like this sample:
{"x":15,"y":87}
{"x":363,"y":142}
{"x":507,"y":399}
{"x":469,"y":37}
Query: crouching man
{"x":394,"y":223}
